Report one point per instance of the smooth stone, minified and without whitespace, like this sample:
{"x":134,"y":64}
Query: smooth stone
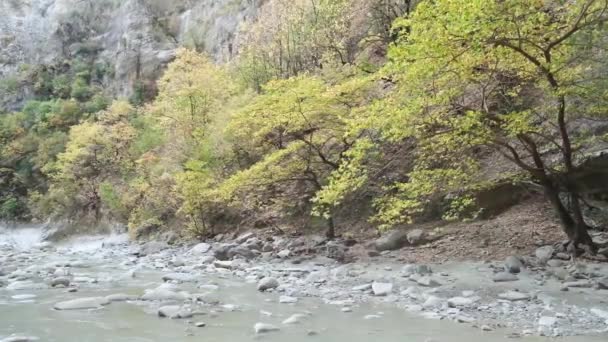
{"x":287,"y":300}
{"x":514,"y":296}
{"x":200,"y":248}
{"x":181,"y":277}
{"x":428,"y":282}
{"x":174,"y":312}
{"x":61,"y":281}
{"x":391,"y":241}
{"x":82,"y":303}
{"x":267,"y":283}
{"x":164,"y":294}
{"x":513,"y":265}
{"x":579,"y":284}
{"x":223,"y":264}
{"x":363,"y":287}
{"x":382,"y":289}
{"x":262,"y":328}
{"x":200,"y":324}
{"x":461,"y":301}
{"x":294,"y":319}
{"x":504,"y":277}
{"x":433,"y":302}
{"x":284,"y":253}
{"x":544,"y":253}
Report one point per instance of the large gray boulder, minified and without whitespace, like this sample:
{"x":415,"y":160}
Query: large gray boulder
{"x":417,"y":237}
{"x":513,"y":264}
{"x":392,"y":241}
{"x":543,"y":254}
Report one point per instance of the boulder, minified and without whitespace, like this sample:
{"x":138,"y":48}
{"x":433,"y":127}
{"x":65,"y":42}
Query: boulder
{"x":513,"y":264}
{"x":60,"y":281}
{"x":242,"y":251}
{"x":544,"y":254}
{"x":82,"y":303}
{"x":223,"y":264}
{"x":284,"y":253}
{"x":382,"y":289}
{"x":433,"y":302}
{"x":222,"y":252}
{"x":200,"y":248}
{"x":417,"y":237}
{"x":267,"y":283}
{"x":244,"y":237}
{"x":391,"y":241}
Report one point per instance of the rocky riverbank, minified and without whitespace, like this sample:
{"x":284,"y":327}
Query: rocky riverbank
{"x":541,"y":294}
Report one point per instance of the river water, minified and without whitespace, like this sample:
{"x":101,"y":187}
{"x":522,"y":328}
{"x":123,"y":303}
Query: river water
{"x":100,"y":266}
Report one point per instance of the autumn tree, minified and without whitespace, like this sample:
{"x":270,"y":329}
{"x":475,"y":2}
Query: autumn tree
{"x":295,"y":131}
{"x":516,"y":77}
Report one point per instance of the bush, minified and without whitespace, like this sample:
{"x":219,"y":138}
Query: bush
{"x":81,"y":90}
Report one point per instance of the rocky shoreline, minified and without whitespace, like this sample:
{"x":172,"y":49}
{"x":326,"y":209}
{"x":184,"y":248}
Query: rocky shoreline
{"x":523,"y":295}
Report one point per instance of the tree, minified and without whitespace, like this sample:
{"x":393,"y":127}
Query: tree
{"x":512,"y":76}
{"x":95,"y":153}
{"x":295,"y":131}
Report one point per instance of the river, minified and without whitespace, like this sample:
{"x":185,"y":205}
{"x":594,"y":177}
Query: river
{"x":99,"y":266}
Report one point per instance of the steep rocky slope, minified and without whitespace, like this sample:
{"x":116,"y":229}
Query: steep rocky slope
{"x":134,"y":38}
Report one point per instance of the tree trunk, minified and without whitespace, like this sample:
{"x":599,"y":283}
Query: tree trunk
{"x":331,"y":229}
{"x":573,"y":224}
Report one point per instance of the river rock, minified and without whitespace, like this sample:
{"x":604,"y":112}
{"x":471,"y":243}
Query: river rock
{"x":514,"y":296}
{"x":600,"y":313}
{"x":222,"y":252}
{"x":602,"y":284}
{"x":382,"y":289}
{"x":555,"y":263}
{"x":152,"y":247}
{"x":267,"y":283}
{"x":504,"y":277}
{"x":543,"y":254}
{"x":579,"y":284}
{"x":244,"y":237}
{"x":164,"y":294}
{"x":294,"y":319}
{"x":181,"y":277}
{"x":456,"y":302}
{"x":363,"y":287}
{"x":433,"y":302}
{"x":391,"y":241}
{"x":284,"y":253}
{"x":546,"y":325}
{"x":82,"y":303}
{"x":513,"y":264}
{"x":174,"y":312}
{"x":288,"y":300}
{"x":416,"y":237}
{"x":61,"y":281}
{"x":223,"y":264}
{"x":242,"y":251}
{"x":428,"y":281}
{"x":262,"y":328}
{"x":200,"y":248}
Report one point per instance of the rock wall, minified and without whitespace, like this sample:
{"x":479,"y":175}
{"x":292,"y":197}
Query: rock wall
{"x":136,"y":38}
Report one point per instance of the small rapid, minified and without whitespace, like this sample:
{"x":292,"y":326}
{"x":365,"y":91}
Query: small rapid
{"x":22,"y":237}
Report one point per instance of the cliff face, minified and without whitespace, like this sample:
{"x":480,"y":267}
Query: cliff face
{"x":134,"y":38}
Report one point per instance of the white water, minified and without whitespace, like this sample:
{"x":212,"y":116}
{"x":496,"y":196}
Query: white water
{"x":22,"y":237}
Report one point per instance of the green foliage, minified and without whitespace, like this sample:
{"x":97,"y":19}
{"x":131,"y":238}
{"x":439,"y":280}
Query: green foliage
{"x":81,"y":89}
